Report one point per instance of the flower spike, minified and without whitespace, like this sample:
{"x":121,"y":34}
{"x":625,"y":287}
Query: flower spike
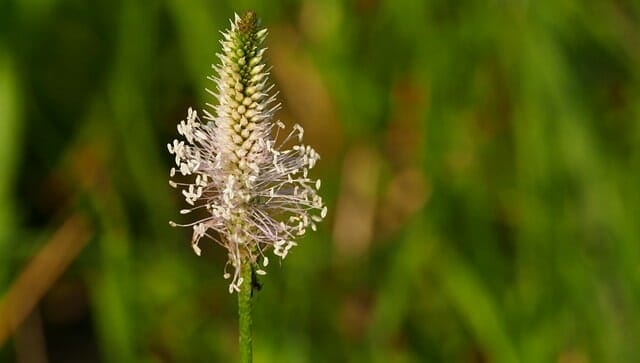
{"x":252,"y":192}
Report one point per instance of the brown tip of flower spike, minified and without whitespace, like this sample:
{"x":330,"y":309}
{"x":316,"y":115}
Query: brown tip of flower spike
{"x":248,"y":23}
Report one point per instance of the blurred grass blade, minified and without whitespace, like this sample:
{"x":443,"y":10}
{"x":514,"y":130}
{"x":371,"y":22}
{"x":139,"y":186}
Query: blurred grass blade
{"x":10,"y":142}
{"x":477,"y":307}
{"x":198,"y":33}
{"x":39,"y":275}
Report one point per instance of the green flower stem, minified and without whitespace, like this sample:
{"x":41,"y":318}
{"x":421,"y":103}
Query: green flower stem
{"x":244,"y":310}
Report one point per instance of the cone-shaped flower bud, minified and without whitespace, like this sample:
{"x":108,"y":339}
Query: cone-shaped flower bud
{"x":249,"y":182}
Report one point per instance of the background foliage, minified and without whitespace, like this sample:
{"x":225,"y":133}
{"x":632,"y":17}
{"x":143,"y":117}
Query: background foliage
{"x":481,"y":162}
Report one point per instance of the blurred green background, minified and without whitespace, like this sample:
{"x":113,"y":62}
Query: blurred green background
{"x":480,"y":160}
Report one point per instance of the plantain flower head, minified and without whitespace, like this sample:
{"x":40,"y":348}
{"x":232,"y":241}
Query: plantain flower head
{"x":243,"y":176}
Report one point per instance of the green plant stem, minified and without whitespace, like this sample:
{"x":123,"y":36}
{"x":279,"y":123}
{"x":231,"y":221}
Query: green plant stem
{"x":244,"y":311}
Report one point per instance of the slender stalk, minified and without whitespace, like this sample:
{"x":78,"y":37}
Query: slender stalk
{"x":244,"y":310}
